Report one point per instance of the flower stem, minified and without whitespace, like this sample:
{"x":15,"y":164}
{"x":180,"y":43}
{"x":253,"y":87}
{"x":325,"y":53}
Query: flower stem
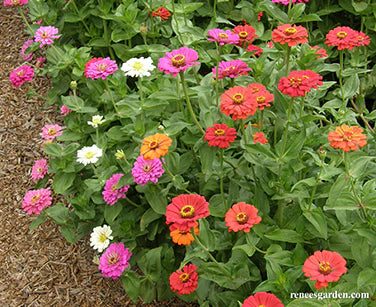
{"x":34,"y":92}
{"x":286,"y":60}
{"x":221,"y":178}
{"x":287,"y":127}
{"x":132,"y":203}
{"x":25,"y":20}
{"x":243,"y":131}
{"x":249,"y":241}
{"x":216,"y":75}
{"x":189,"y":103}
{"x":215,"y":9}
{"x":78,"y":13}
{"x":340,"y":75}
{"x":362,"y":117}
{"x":173,"y":176}
{"x":314,"y":188}
{"x":181,"y":107}
{"x":110,"y":94}
{"x":176,"y":22}
{"x":141,"y":98}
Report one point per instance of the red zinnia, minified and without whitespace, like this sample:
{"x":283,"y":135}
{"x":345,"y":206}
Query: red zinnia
{"x":259,"y":137}
{"x":185,"y":209}
{"x":262,"y":299}
{"x":220,"y":135}
{"x":257,"y":51}
{"x":241,"y":216}
{"x":299,"y":83}
{"x":290,"y":34}
{"x":324,"y":267}
{"x":320,"y":52}
{"x":238,"y":102}
{"x":342,"y":38}
{"x":347,"y":138}
{"x":161,"y":12}
{"x":184,"y":281}
{"x":363,"y":39}
{"x":247,"y":34}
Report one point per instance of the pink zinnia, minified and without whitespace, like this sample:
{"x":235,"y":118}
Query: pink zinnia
{"x":111,"y":194}
{"x":114,"y":260}
{"x":39,"y":169}
{"x":21,"y":75}
{"x":35,"y":200}
{"x":286,"y":2}
{"x":50,"y":132}
{"x":64,"y":110}
{"x":100,"y":68}
{"x":223,"y":37}
{"x":44,"y":35}
{"x":39,"y":62}
{"x":27,"y":44}
{"x":232,"y":69}
{"x":178,"y":60}
{"x":15,"y":2}
{"x":147,"y":170}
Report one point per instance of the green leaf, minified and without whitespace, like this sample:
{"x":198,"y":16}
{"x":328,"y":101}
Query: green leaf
{"x":294,"y":145}
{"x":149,"y":216}
{"x":150,"y":263}
{"x":361,"y":252}
{"x":370,"y":201}
{"x":317,"y":218}
{"x":307,"y":18}
{"x":360,"y":165}
{"x":156,"y":200}
{"x":131,"y":284}
{"x":38,"y":221}
{"x":69,"y":232}
{"x":304,"y":302}
{"x":59,"y":213}
{"x":285,"y":235}
{"x":206,"y":235}
{"x":367,"y":277}
{"x":53,"y":150}
{"x":62,"y":182}
{"x":216,"y":272}
{"x":351,"y":86}
{"x":340,"y":196}
{"x":147,"y":290}
{"x":111,"y":212}
{"x":296,"y":11}
{"x":272,"y":10}
{"x":217,"y":207}
{"x":207,"y":156}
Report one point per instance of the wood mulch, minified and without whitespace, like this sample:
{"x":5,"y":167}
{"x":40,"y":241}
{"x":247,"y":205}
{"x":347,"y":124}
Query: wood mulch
{"x":38,"y":268}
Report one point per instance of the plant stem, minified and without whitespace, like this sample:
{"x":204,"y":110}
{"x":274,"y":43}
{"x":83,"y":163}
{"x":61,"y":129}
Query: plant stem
{"x":34,"y":92}
{"x":314,"y":188}
{"x":221,"y":178}
{"x":289,"y":8}
{"x":110,"y":94}
{"x":181,"y":107}
{"x":173,"y":176}
{"x":132,"y":203}
{"x":340,"y":75}
{"x":78,"y":13}
{"x":59,"y":54}
{"x":107,"y":39}
{"x":25,"y":20}
{"x":287,"y":127}
{"x":249,"y":241}
{"x":286,"y":60}
{"x":362,"y":117}
{"x":176,"y":22}
{"x":141,"y":97}
{"x":243,"y":131}
{"x":216,"y":74}
{"x":189,"y":103}
{"x":215,"y":9}
{"x":301,"y":108}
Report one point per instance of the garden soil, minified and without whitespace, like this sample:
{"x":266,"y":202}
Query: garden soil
{"x":38,"y":268}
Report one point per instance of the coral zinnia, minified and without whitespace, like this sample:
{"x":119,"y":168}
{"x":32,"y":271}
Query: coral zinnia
{"x":178,"y":60}
{"x":262,"y":299}
{"x":324,"y":267}
{"x":262,"y":99}
{"x":320,"y":52}
{"x":363,"y":39}
{"x":223,"y":37}
{"x":220,"y":135}
{"x":259,"y":137}
{"x":247,"y":34}
{"x":111,"y":193}
{"x":257,"y":51}
{"x":161,"y":12}
{"x":290,"y":34}
{"x":232,"y":69}
{"x":35,"y":200}
{"x":114,"y":260}
{"x":183,"y":236}
{"x":185,"y":209}
{"x":299,"y":83}
{"x":342,"y":38}
{"x":99,"y":68}
{"x":155,"y":146}
{"x":21,"y":75}
{"x":184,"y":281}
{"x":241,"y":216}
{"x":347,"y":138}
{"x":144,"y":171}
{"x":238,"y":102}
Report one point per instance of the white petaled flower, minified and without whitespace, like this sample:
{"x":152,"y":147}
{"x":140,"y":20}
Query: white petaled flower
{"x":88,"y":155}
{"x":138,"y":67}
{"x":96,"y":120}
{"x":100,"y":237}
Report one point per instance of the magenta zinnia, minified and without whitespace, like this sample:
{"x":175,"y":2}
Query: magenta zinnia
{"x":223,"y":37}
{"x":35,"y":200}
{"x":100,"y":68}
{"x":45,"y":35}
{"x":178,"y":60}
{"x":114,"y":260}
{"x":147,"y":170}
{"x":21,"y":75}
{"x":39,"y":169}
{"x":15,"y":2}
{"x":27,"y":57}
{"x":111,"y":193}
{"x":232,"y":69}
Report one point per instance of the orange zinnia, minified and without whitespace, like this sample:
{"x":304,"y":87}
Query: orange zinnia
{"x":182,"y":236}
{"x":347,"y":138}
{"x":155,"y":146}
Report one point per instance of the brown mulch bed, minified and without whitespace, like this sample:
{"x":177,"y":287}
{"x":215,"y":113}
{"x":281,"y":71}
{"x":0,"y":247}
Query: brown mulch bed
{"x":38,"y":268}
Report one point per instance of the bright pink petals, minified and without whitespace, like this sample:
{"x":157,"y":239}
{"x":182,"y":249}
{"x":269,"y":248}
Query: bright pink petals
{"x":27,"y":57}
{"x":21,"y":75}
{"x":114,"y":260}
{"x":231,"y":69}
{"x":99,"y":68}
{"x":111,"y":193}
{"x":45,"y":35}
{"x":15,"y":2}
{"x":39,"y":170}
{"x":223,"y":37}
{"x":50,"y":132}
{"x":35,"y":200}
{"x":178,"y":60}
{"x":144,"y":171}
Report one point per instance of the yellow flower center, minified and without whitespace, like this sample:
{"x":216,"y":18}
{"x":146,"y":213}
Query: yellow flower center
{"x":241,"y":218}
{"x":178,"y":60}
{"x":243,"y":34}
{"x":112,"y":258}
{"x":324,"y":268}
{"x":39,"y":169}
{"x":153,"y":144}
{"x":290,"y":31}
{"x":113,"y":188}
{"x":360,"y":38}
{"x":51,"y":131}
{"x":137,"y":66}
{"x":347,"y":135}
{"x":294,"y":81}
{"x":219,"y":132}
{"x":35,"y":198}
{"x":89,"y":155}
{"x":102,"y":67}
{"x":341,"y":34}
{"x":184,"y":277}
{"x":222,"y":35}
{"x":44,"y":35}
{"x":146,"y":168}
{"x":238,"y":98}
{"x":255,"y":90}
{"x":102,"y":237}
{"x":260,"y":99}
{"x":21,"y":73}
{"x":187,"y":211}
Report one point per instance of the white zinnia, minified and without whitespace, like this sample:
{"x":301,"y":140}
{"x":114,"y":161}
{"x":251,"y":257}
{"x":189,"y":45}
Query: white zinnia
{"x":88,"y":155}
{"x":96,"y":120}
{"x":100,"y":237}
{"x":138,"y":67}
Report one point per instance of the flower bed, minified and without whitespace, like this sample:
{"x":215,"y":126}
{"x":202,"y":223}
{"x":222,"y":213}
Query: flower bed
{"x":241,"y":170}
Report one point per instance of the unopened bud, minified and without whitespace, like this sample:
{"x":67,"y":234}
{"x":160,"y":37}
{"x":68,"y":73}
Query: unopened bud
{"x":161,"y":127}
{"x":143,"y":30}
{"x":322,"y":153}
{"x":120,"y":155}
{"x":73,"y":85}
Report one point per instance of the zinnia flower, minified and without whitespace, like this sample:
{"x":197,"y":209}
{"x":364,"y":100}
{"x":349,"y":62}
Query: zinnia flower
{"x":111,"y":193}
{"x":114,"y":260}
{"x":39,"y":62}
{"x":324,"y":267}
{"x":232,"y":69}
{"x":223,"y":37}
{"x":96,"y":120}
{"x":299,"y":83}
{"x":320,"y":52}
{"x":155,"y":146}
{"x":286,"y":2}
{"x":50,"y":132}
{"x":184,"y":281}
{"x":237,"y":101}
{"x":39,"y":169}
{"x":185,"y":209}
{"x":144,"y":171}
{"x":138,"y":67}
{"x":262,"y":299}
{"x":100,"y":237}
{"x":261,"y":97}
{"x":45,"y":35}
{"x":290,"y":34}
{"x":88,"y":155}
{"x":27,"y":57}
{"x":363,"y":39}
{"x":241,"y":216}
{"x":259,"y":137}
{"x":257,"y":51}
{"x":99,"y":68}
{"x":183,"y":236}
{"x":15,"y":2}
{"x":21,"y":75}
{"x":64,"y":110}
{"x":35,"y":200}
{"x":347,"y":138}
{"x":161,"y":12}
{"x":220,"y":135}
{"x":256,"y":87}
{"x":178,"y":60}
{"x":342,"y":38}
{"x":247,"y":34}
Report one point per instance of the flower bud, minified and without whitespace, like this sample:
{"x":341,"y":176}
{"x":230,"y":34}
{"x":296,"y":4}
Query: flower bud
{"x":143,"y":30}
{"x":73,"y":85}
{"x":120,"y":155}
